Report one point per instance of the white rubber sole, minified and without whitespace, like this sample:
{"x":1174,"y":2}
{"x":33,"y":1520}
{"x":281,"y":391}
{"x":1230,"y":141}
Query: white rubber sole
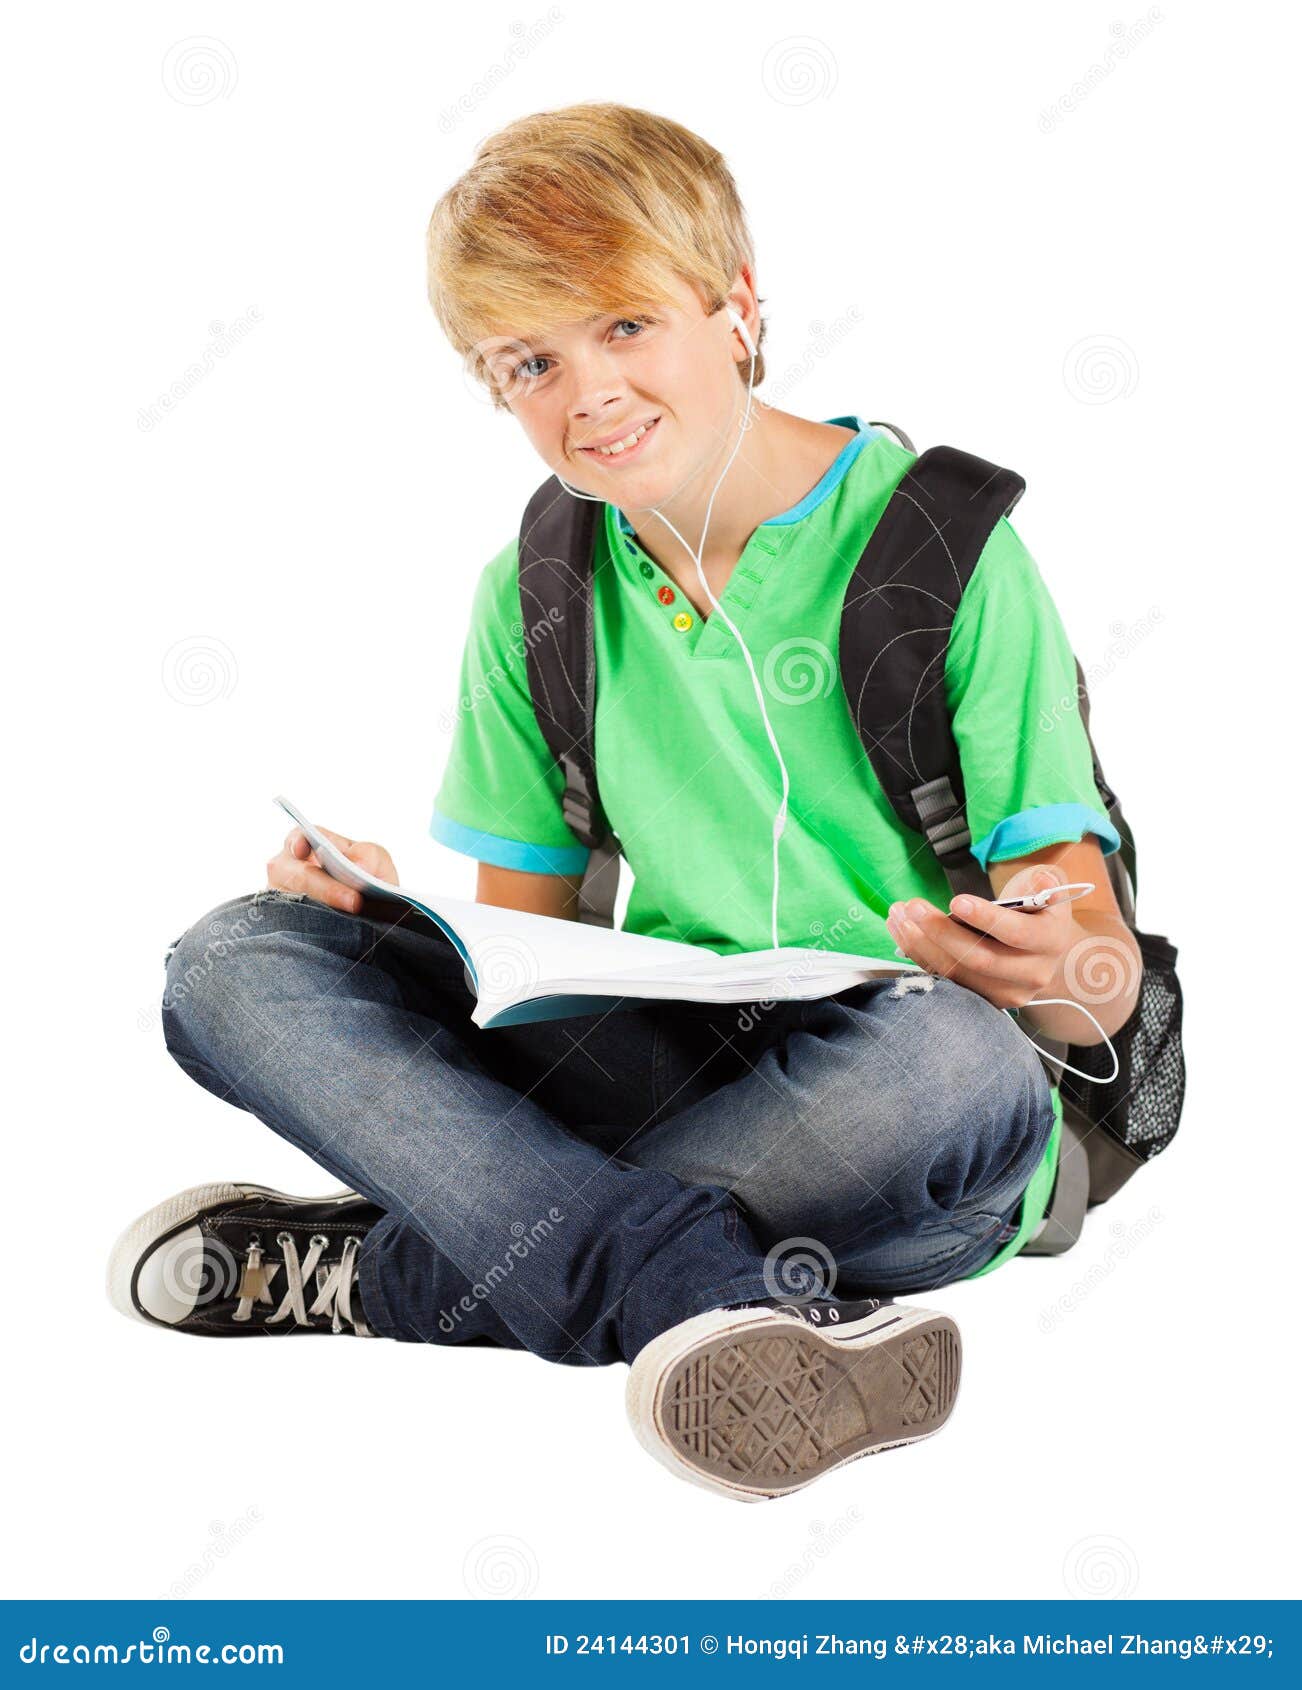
{"x":173,"y":1215}
{"x":753,"y":1404}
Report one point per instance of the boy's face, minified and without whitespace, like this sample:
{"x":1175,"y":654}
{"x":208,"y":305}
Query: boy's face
{"x":579,"y":384}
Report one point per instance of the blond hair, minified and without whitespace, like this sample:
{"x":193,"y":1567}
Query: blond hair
{"x":573,"y":213}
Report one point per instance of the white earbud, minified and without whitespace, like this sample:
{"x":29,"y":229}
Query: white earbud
{"x":743,"y":331}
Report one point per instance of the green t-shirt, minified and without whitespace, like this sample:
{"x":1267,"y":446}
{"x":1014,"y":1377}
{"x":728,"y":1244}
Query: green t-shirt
{"x":685,"y":770}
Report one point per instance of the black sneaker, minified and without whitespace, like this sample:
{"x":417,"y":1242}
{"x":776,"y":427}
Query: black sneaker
{"x":231,"y":1259}
{"x":759,"y":1399}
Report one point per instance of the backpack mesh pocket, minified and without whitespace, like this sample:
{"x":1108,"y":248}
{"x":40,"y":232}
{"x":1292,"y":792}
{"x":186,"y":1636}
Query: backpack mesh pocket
{"x":1141,"y":1106}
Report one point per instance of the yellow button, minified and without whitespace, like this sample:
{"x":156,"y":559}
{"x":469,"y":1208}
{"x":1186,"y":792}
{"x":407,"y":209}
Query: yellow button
{"x":682,"y":621}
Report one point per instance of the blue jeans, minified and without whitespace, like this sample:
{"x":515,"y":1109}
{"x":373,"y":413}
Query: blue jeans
{"x":575,"y":1187}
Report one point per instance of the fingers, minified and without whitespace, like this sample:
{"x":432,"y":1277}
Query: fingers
{"x":1005,"y":975}
{"x":289,"y":874}
{"x":1022,"y":930}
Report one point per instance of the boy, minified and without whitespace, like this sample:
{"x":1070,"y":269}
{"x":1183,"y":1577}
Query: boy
{"x":727,"y":1201}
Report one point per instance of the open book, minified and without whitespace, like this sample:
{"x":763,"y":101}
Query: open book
{"x":537,"y":968}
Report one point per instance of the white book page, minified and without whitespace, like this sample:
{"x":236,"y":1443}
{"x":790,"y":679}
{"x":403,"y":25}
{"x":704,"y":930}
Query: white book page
{"x":535,"y":949}
{"x":517,"y":958}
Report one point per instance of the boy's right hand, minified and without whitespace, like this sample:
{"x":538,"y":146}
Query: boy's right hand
{"x":296,"y":868}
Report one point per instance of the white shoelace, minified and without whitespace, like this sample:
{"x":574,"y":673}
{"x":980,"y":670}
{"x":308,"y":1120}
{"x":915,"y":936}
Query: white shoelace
{"x":333,"y":1283}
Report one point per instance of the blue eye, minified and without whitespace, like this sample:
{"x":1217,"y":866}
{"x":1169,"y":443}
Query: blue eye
{"x":522,"y":370}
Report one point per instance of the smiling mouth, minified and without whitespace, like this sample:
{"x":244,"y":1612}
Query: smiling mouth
{"x":626,"y":448}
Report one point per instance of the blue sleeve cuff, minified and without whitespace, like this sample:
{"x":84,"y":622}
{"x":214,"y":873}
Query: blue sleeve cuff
{"x":508,"y":853}
{"x":1047,"y":824}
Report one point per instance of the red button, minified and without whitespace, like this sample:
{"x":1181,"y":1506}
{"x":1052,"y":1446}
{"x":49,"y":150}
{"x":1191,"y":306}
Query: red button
{"x":665,"y":595}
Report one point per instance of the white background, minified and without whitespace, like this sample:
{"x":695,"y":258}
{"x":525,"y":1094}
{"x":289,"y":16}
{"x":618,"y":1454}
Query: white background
{"x":267,"y":589}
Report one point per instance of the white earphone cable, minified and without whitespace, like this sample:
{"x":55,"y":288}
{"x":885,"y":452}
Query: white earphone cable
{"x":780,"y":819}
{"x":1098,"y":1079}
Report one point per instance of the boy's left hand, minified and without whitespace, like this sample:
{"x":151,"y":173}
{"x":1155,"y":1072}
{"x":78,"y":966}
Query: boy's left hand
{"x":1016,"y":954}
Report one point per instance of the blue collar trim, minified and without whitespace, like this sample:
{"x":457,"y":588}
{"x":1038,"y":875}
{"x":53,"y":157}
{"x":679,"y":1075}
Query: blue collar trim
{"x":815,"y":496}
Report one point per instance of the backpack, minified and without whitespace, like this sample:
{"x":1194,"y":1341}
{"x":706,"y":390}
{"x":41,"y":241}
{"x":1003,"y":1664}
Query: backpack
{"x":928,"y":540}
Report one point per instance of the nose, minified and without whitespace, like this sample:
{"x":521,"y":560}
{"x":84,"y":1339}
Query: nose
{"x":597,"y":391}
{"x":588,"y":413}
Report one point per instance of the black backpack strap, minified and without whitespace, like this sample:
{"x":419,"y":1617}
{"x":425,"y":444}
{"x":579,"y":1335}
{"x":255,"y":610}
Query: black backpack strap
{"x":557,"y":537}
{"x":895,"y":629}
